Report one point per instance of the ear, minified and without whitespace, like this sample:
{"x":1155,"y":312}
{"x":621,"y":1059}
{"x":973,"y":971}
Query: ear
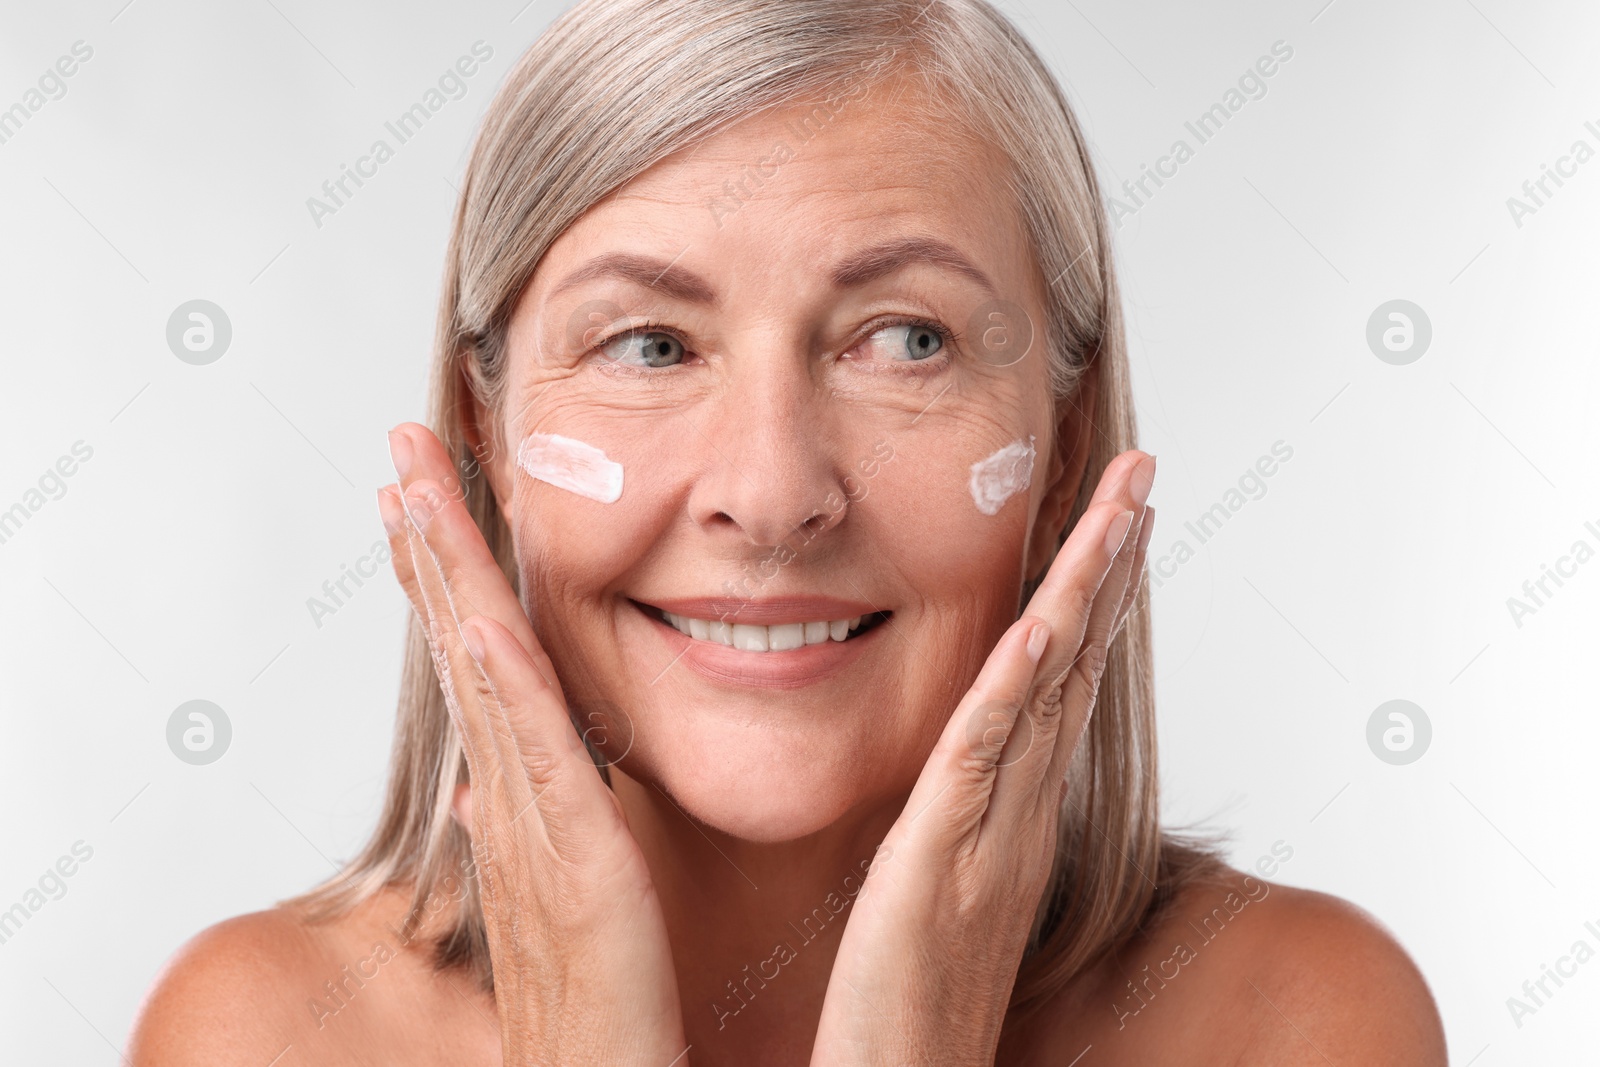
{"x":461,"y":806}
{"x":483,"y":439}
{"x":1074,"y":440}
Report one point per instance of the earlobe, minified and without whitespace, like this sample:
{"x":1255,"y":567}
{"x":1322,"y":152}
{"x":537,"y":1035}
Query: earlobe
{"x":477,"y":431}
{"x":461,"y":806}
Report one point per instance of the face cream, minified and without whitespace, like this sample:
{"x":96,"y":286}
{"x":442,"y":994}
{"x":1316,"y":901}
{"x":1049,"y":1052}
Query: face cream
{"x":1003,"y":475}
{"x":571,"y":465}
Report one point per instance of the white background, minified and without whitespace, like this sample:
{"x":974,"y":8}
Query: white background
{"x":1377,"y":566}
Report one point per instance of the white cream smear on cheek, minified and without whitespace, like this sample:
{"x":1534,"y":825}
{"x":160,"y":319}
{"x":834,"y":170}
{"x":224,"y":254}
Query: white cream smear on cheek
{"x":1002,"y":476}
{"x":572,"y":465}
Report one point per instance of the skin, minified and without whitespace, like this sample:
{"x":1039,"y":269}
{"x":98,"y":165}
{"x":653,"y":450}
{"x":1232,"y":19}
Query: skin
{"x":932,"y":762}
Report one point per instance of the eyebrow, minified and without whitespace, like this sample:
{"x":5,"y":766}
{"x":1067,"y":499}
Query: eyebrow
{"x":666,"y":277}
{"x":880,"y":260}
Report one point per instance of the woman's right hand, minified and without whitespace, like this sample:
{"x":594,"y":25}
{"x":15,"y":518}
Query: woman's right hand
{"x":583,"y":972}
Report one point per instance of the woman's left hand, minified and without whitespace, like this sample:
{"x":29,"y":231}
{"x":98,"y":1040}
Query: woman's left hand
{"x":930,"y":952}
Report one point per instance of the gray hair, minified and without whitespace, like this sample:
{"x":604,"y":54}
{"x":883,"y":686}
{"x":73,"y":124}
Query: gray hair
{"x":570,"y":126}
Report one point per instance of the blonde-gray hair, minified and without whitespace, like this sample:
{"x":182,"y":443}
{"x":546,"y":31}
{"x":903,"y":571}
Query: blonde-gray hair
{"x":613,"y":87}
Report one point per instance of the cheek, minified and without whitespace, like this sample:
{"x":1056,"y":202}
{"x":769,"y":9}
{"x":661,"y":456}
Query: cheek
{"x":957,"y":498}
{"x":591,"y":495}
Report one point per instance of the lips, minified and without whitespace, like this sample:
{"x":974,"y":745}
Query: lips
{"x":777,"y":637}
{"x":780,"y":642}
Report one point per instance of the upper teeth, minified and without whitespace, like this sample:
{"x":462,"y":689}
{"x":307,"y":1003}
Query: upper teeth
{"x":748,"y":638}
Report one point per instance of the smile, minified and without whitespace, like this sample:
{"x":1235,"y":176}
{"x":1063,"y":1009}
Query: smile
{"x":778,"y":637}
{"x":768,"y":643}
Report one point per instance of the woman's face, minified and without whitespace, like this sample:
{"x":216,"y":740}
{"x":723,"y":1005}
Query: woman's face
{"x":795,"y":341}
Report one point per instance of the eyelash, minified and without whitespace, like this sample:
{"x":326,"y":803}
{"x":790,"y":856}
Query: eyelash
{"x":947,"y":336}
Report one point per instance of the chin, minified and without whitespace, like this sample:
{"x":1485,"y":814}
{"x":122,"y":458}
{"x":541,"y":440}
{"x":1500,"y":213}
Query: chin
{"x":767,"y":786}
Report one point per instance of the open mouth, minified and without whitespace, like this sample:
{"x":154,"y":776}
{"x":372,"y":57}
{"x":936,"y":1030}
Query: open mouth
{"x":775,"y":637}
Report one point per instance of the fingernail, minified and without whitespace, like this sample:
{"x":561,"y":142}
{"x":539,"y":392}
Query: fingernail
{"x":1118,"y":533}
{"x":1144,"y":476}
{"x":473,"y":640}
{"x":389,"y":510}
{"x":400,"y":451}
{"x":1037,"y":640}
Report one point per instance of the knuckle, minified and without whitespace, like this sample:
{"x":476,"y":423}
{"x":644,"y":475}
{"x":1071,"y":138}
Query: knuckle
{"x":1080,"y":600}
{"x":989,"y":727}
{"x":1047,"y":704}
{"x":1091,"y":662}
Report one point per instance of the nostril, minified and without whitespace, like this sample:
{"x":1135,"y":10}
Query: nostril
{"x":815,"y":523}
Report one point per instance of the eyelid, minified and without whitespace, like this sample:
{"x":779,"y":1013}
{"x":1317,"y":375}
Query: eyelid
{"x":947,"y":335}
{"x":595,"y":356}
{"x":643,"y":327}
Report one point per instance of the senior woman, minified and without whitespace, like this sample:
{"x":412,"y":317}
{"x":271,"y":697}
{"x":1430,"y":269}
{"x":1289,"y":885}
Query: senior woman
{"x":780,"y":690}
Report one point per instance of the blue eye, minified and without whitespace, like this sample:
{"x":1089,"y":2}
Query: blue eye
{"x":922,"y":342}
{"x":644,"y":349}
{"x":906,"y":342}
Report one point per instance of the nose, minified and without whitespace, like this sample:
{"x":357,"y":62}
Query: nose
{"x":774,"y":475}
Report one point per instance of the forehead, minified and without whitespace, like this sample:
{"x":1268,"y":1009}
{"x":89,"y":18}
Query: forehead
{"x":810,"y":181}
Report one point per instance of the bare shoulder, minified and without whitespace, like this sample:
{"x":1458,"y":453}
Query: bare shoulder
{"x":1321,"y":965}
{"x":228,"y":995}
{"x":1239,"y":970}
{"x":274,"y":987}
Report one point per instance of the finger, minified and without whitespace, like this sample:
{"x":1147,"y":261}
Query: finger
{"x":959,"y":774}
{"x":468,"y":570}
{"x":474,"y":575}
{"x":441,"y":630}
{"x":393,"y":514}
{"x":572,"y":802}
{"x":1123,"y":487}
{"x":1075,"y":690}
{"x":401,"y":534}
{"x":1116,"y":479}
{"x":1147,"y":525}
{"x":514,"y":743}
{"x":1081,"y":580}
{"x":982,"y":736}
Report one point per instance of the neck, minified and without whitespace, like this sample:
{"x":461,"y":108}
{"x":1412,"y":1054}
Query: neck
{"x":754,"y":927}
